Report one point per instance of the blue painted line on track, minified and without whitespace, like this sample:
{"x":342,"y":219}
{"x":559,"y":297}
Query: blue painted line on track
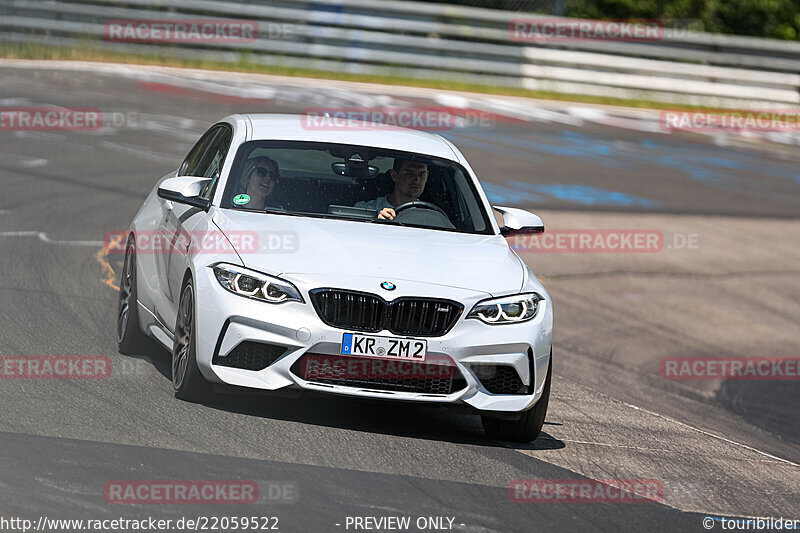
{"x":700,"y":163}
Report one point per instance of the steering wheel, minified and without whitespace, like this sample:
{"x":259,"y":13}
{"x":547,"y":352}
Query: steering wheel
{"x":420,"y":204}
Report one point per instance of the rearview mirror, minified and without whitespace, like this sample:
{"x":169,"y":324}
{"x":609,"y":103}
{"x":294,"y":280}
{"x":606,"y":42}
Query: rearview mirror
{"x":519,"y":222}
{"x":343,"y":169}
{"x":185,"y":190}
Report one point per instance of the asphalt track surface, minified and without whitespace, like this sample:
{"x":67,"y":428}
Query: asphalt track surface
{"x":721,"y":449}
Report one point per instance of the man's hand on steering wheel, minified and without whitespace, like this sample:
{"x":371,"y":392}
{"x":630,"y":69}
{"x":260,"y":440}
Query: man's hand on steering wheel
{"x":420,"y":204}
{"x":387,"y":213}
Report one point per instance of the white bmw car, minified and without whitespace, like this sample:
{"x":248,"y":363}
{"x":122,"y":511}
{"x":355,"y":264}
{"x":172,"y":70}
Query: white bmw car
{"x":359,"y":261}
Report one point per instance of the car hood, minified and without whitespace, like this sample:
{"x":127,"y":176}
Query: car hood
{"x":324,"y":250}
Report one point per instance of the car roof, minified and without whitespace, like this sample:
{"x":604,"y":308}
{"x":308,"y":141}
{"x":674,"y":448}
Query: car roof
{"x":270,"y":126}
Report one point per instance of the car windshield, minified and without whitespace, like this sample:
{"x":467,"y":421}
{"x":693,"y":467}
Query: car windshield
{"x":354,"y":183}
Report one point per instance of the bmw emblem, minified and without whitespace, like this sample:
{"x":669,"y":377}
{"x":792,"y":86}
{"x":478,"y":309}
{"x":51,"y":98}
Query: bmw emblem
{"x":388,"y":285}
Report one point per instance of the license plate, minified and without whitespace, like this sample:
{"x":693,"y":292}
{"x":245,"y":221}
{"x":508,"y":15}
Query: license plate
{"x":392,"y":347}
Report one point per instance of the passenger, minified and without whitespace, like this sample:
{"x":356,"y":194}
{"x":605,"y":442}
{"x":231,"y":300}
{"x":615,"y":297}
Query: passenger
{"x":260,"y":179}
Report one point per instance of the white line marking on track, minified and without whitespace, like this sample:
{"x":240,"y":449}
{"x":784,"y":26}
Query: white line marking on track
{"x":46,"y":136}
{"x":33,"y":163}
{"x":137,"y":151}
{"x":6,"y":102}
{"x":670,"y":419}
{"x":713,"y":435}
{"x":25,"y":161}
{"x":42,"y":236}
{"x":645,"y":449}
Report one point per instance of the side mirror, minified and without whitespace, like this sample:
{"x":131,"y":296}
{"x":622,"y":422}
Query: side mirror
{"x":184,"y":190}
{"x":519,"y":221}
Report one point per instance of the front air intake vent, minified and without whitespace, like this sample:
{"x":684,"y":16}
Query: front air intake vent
{"x":250,"y":355}
{"x":499,"y":379}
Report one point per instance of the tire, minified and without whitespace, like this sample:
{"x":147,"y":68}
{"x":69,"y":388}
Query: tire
{"x":527,"y":427}
{"x":130,"y":339}
{"x":188,"y":382}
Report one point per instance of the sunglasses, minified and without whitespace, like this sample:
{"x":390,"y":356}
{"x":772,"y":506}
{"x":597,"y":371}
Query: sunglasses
{"x":261,"y":171}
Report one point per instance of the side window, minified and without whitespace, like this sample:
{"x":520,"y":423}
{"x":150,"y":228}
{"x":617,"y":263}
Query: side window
{"x":210,"y":165}
{"x":189,"y":165}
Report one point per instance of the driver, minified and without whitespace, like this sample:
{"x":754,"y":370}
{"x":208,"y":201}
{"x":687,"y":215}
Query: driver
{"x":409,"y":179}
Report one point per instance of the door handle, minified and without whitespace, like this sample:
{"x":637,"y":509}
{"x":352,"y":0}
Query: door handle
{"x":168,"y":205}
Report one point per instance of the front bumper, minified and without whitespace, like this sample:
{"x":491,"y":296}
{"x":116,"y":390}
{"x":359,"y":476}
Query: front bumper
{"x":225,"y":320}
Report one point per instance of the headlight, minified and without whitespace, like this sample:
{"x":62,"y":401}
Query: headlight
{"x":508,"y":309}
{"x":252,"y":284}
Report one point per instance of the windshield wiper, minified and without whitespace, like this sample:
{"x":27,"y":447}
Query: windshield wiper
{"x":274,"y":211}
{"x":388,"y":221}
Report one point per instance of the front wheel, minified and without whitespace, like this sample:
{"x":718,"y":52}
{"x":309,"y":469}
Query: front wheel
{"x":528,"y":426}
{"x":188,"y":382}
{"x":130,"y":339}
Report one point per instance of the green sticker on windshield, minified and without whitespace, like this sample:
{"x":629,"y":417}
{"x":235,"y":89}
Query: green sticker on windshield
{"x":241,"y":199}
